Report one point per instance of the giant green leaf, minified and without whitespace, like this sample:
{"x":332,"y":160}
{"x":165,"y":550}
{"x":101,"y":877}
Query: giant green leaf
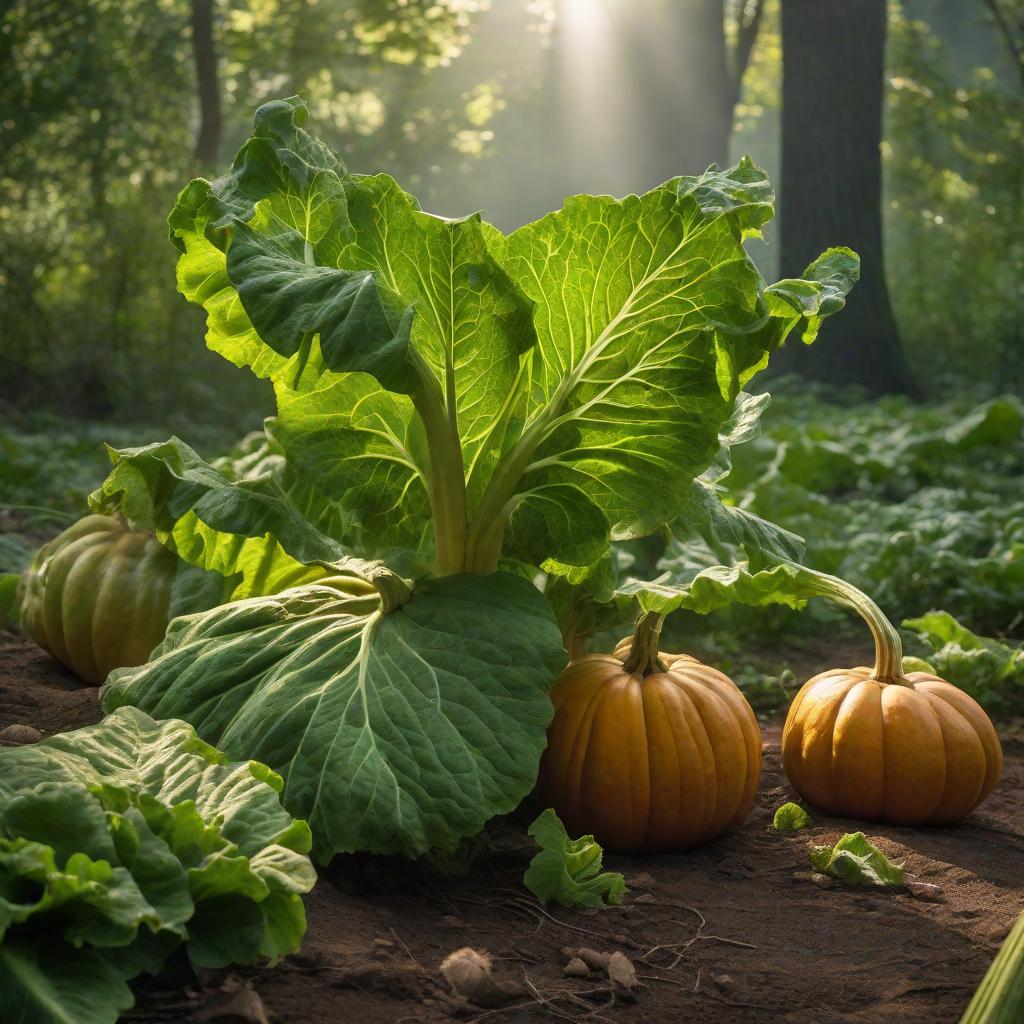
{"x":624,"y":386}
{"x":281,"y":160}
{"x":649,"y":316}
{"x":395,"y":732}
{"x":363,"y":444}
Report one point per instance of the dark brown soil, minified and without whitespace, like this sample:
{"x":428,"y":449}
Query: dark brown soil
{"x":722,"y":935}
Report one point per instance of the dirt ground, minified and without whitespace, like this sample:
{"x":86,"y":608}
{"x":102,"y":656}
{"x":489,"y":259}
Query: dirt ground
{"x":722,"y":935}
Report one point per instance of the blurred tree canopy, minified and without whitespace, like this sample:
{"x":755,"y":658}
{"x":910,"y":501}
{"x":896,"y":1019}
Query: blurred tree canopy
{"x":954,"y":157}
{"x":103,"y":120}
{"x":108,"y":107}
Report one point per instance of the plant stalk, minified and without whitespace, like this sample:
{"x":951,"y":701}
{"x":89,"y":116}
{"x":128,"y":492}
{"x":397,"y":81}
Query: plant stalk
{"x":571,"y":637}
{"x":888,"y":646}
{"x":487,"y":530}
{"x":643,"y":657}
{"x":999,"y":998}
{"x":446,"y":474}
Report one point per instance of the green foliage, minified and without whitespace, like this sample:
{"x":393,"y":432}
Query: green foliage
{"x":918,"y":506}
{"x":122,"y":841}
{"x":856,"y":861}
{"x":990,"y":671}
{"x":98,"y":107}
{"x":954,"y":220}
{"x":790,"y":817}
{"x":46,"y":464}
{"x":568,"y":871}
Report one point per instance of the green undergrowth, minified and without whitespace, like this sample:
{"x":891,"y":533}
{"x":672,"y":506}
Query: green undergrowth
{"x":918,"y":504}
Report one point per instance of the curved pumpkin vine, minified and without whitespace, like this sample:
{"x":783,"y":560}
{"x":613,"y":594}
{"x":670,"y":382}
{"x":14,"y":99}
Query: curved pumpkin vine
{"x":459,"y":411}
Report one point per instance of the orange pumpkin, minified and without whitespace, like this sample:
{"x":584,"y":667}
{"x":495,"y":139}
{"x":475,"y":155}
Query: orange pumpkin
{"x":649,"y":752}
{"x":879,"y":745}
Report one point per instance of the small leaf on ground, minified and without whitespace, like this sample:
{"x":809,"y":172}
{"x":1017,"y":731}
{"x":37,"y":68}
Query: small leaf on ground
{"x":790,"y":817}
{"x":855,"y":861}
{"x":568,"y":871}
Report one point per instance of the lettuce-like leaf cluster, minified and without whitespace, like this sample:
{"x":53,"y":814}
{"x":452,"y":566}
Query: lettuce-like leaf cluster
{"x":568,"y":871}
{"x":989,"y":670}
{"x":464,"y":394}
{"x":855,"y":861}
{"x":123,"y":841}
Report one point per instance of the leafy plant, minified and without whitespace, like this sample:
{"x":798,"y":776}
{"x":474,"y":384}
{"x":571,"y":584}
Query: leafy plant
{"x":471,"y":408}
{"x":790,"y":817}
{"x":855,"y":861}
{"x":568,"y":871}
{"x":990,"y":671}
{"x":124,"y":840}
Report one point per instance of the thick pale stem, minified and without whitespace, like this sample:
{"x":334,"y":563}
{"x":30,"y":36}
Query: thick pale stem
{"x":888,"y":646}
{"x":483,"y":548}
{"x":487,"y":530}
{"x":446,"y":474}
{"x":643,"y":657}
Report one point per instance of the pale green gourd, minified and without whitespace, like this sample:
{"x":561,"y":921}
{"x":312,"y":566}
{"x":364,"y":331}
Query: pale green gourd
{"x":97,"y":597}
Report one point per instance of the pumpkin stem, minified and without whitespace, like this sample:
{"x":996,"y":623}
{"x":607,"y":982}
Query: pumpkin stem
{"x":643,"y":657}
{"x":888,"y":646}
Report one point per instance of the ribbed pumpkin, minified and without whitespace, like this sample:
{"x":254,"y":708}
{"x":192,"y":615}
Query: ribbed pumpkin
{"x":649,"y":752}
{"x":878,"y":745}
{"x":97,"y":596}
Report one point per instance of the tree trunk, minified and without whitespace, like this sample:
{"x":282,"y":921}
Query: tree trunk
{"x":832,"y":92}
{"x":208,"y":139}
